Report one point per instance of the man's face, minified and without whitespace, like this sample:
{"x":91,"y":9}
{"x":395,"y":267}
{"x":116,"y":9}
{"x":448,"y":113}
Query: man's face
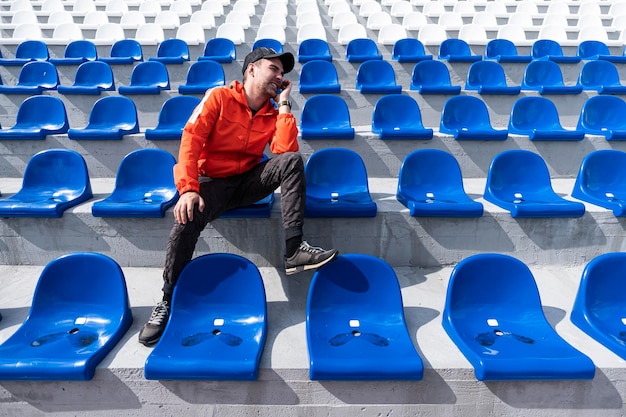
{"x":269,"y":75}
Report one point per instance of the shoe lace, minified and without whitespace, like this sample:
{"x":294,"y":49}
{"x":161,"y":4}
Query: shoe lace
{"x":305,"y":247}
{"x":159,"y":313}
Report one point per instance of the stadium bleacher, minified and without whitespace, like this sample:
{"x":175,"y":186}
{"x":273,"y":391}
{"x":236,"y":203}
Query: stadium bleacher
{"x":423,"y":251}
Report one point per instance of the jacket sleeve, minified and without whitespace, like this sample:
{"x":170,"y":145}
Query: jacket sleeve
{"x":193,"y":140}
{"x":286,"y":136}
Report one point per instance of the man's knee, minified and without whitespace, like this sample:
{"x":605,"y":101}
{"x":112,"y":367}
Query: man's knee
{"x":292,"y":160}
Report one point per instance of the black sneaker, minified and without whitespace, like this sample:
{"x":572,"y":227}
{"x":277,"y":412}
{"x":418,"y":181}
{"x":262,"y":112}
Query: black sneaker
{"x":153,"y":329}
{"x":308,"y":257}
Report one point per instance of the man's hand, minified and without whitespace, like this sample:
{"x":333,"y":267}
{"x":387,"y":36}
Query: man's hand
{"x":183,"y":211}
{"x":284,"y":92}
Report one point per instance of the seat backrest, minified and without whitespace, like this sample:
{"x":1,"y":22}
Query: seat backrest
{"x":351,"y":31}
{"x":430,"y":72}
{"x":390,"y":33}
{"x":343,"y":18}
{"x":146,"y":169}
{"x":203,"y":17}
{"x":231,"y":31}
{"x":335,"y":170}
{"x":167,"y":19}
{"x":432,"y":34}
{"x":545,"y":47}
{"x":465,"y":112}
{"x":410,"y":46}
{"x":149,"y":72}
{"x":94,"y":73}
{"x":271,"y":31}
{"x":173,"y":47}
{"x":60,"y":16}
{"x":28,"y":31}
{"x":33,"y":49}
{"x":192,"y":33}
{"x":41,"y":73}
{"x":454,"y":47}
{"x":70,"y":31}
{"x":375,"y":72}
{"x":54,"y":169}
{"x":311,"y":31}
{"x":518,"y":171}
{"x":325,"y":111}
{"x":110,"y":32}
{"x":604,"y":171}
{"x":24,"y":16}
{"x":362,"y":46}
{"x":541,"y":73}
{"x":486,"y":73}
{"x":376,"y":21}
{"x":114,"y":110}
{"x":590,"y":48}
{"x":207,"y":73}
{"x":500,"y":47}
{"x":603,"y":112}
{"x":534,"y":112}
{"x":598,"y":73}
{"x":430,"y":171}
{"x":414,"y":21}
{"x":239,"y":18}
{"x":81,"y":48}
{"x":48,"y":111}
{"x":222,"y":47}
{"x":96,"y":18}
{"x":176,"y":110}
{"x":127,"y":48}
{"x":314,"y":47}
{"x":473,"y":33}
{"x":150,"y":33}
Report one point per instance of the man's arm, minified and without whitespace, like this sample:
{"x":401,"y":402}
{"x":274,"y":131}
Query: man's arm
{"x":286,"y":137}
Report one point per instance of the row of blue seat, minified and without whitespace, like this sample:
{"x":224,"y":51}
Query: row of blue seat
{"x":355,"y":324}
{"x":429,"y":184}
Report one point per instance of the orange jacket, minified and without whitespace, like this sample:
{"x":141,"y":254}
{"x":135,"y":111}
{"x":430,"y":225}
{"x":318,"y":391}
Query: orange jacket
{"x":222,"y":138}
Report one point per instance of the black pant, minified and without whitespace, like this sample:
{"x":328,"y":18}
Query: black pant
{"x":220,"y":194}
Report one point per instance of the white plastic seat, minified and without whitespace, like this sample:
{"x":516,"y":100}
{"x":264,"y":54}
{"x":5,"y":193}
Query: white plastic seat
{"x":377,"y":20}
{"x":108,"y":34}
{"x":514,"y":33}
{"x":433,"y":9}
{"x":553,"y":32}
{"x":338,"y":7}
{"x":275,"y":18}
{"x":432,"y":34}
{"x":414,"y":21}
{"x":116,"y":8}
{"x":473,"y":34}
{"x":401,"y":8}
{"x":215,"y":7}
{"x":51,"y":6}
{"x":307,"y":8}
{"x":342,"y":19}
{"x":450,"y":21}
{"x":66,"y":33}
{"x":27,"y":31}
{"x":167,"y":19}
{"x":132,"y":20}
{"x":487,"y":20}
{"x":617,"y":9}
{"x":368,"y":7}
{"x":244,"y":6}
{"x":558,"y":7}
{"x":497,"y":7}
{"x":277,"y":7}
{"x":593,"y":33}
{"x":618,"y":22}
{"x":271,"y":31}
{"x":150,"y":34}
{"x":231,"y":31}
{"x":307,"y":18}
{"x":150,"y":8}
{"x":238,"y":18}
{"x":464,"y":8}
{"x":589,"y":8}
{"x":21,"y":17}
{"x":56,"y":18}
{"x":182,"y":7}
{"x":82,"y":7}
{"x":351,"y":31}
{"x":389,"y":34}
{"x":191,"y":32}
{"x":555,"y":20}
{"x":590,"y":20}
{"x":522,"y":19}
{"x":311,"y":31}
{"x":204,"y":18}
{"x":94,"y":19}
{"x":526,"y":7}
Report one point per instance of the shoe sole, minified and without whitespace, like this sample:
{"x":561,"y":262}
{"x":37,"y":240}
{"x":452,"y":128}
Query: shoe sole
{"x":149,"y":343}
{"x":302,"y":268}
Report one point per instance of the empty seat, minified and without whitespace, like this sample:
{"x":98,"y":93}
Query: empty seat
{"x":519,"y":182}
{"x":601,"y":180}
{"x":598,"y":307}
{"x":398,"y":116}
{"x":76,"y":53}
{"x":79,"y":312}
{"x":546,"y":77}
{"x":110,"y":117}
{"x":604,"y":115}
{"x":493,"y":313}
{"x":172,"y":51}
{"x":318,"y":76}
{"x":201,"y":76}
{"x":375,"y":21}
{"x":390,"y":33}
{"x":150,"y":77}
{"x":65,"y":33}
{"x":336,"y":185}
{"x":34,"y":78}
{"x":203,"y":17}
{"x":414,"y":21}
{"x":167,"y":19}
{"x":538,"y":118}
{"x":488,"y":77}
{"x":181,"y":7}
{"x":467,"y":117}
{"x":409,"y":50}
{"x":504,"y":50}
{"x":91,"y":77}
{"x":271,"y":31}
{"x":173,"y":116}
{"x":474,"y":34}
{"x":431,"y":33}
{"x":30,"y":50}
{"x":592,"y":50}
{"x":268,"y":43}
{"x":231,"y":31}
{"x":326,"y":117}
{"x":314,"y":49}
{"x":125,"y":51}
{"x":191,"y":33}
{"x":361,"y":50}
{"x":601,"y":76}
{"x":311,"y":31}
{"x":38,"y":117}
{"x":376,"y":77}
{"x":238,"y":18}
{"x":150,"y":34}
{"x":96,"y":18}
{"x":549,"y":49}
{"x":54,"y":181}
{"x":220,"y":50}
{"x":216,"y":331}
{"x":457,"y":50}
{"x":26,"y":31}
{"x":108,"y":34}
{"x":430,"y":185}
{"x":144,"y":186}
{"x":355,"y":323}
{"x":350,"y":32}
{"x":432,"y":77}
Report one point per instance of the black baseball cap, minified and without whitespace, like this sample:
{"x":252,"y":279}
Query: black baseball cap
{"x":268,"y":53}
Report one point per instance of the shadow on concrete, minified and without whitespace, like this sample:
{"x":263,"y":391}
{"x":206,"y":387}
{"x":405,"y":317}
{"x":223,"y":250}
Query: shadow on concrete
{"x":417,"y":317}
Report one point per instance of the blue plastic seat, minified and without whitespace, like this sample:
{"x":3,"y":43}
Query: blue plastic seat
{"x":172,"y":51}
{"x":601,"y":180}
{"x":457,"y":50}
{"x":538,"y":118}
{"x":314,"y":49}
{"x":336,"y":185}
{"x":409,"y":50}
{"x":355,"y":323}
{"x":150,"y":77}
{"x":519,"y":182}
{"x":201,"y":76}
{"x":604,"y":115}
{"x":493,"y":313}
{"x":34,"y":78}
{"x":54,"y":181}
{"x":467,"y":117}
{"x":377,"y":77}
{"x":504,"y":50}
{"x":599,"y":305}
{"x":124,"y":51}
{"x":219,"y":49}
{"x":76,"y":52}
{"x":546,"y":77}
{"x":26,"y":51}
{"x":144,"y":186}
{"x":319,"y":76}
{"x":430,"y":184}
{"x":601,"y":76}
{"x":111,"y":117}
{"x":362,"y":49}
{"x":592,"y":50}
{"x":268,"y":43}
{"x":548,"y":49}
{"x":432,"y":77}
{"x":91,"y":77}
{"x":173,"y":116}
{"x":398,"y":116}
{"x":325,"y":116}
{"x":488,"y":77}
{"x":79,"y":312}
{"x":217,"y":327}
{"x":38,"y":117}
